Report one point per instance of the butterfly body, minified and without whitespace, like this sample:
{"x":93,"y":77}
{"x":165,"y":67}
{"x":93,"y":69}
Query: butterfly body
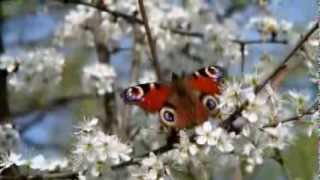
{"x":184,"y":102}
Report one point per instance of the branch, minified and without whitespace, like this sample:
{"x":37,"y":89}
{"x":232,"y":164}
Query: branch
{"x":54,"y":103}
{"x":242,"y":51}
{"x":185,"y":33}
{"x":116,"y":14}
{"x":228,"y":123}
{"x":130,"y":18}
{"x":61,"y":175}
{"x":260,"y":41}
{"x":288,"y":57}
{"x":4,"y":97}
{"x":155,"y":61}
{"x":309,"y":111}
{"x":243,"y":43}
{"x":138,"y":39}
{"x":104,"y":56}
{"x":237,"y":113}
{"x":4,"y":102}
{"x":136,"y":161}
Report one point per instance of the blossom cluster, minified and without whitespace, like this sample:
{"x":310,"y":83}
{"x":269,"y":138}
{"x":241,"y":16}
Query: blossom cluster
{"x":10,"y":156}
{"x":263,"y":122}
{"x":263,"y":125}
{"x":8,"y":63}
{"x":38,"y":69}
{"x":37,"y":162}
{"x":99,"y":78}
{"x":269,"y":26}
{"x":9,"y":138}
{"x":95,"y":152}
{"x":168,"y":24}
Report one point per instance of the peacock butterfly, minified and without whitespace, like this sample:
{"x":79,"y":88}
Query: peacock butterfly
{"x":184,"y":102}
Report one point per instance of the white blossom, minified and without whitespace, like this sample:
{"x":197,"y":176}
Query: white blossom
{"x":255,"y":110}
{"x":279,"y":136}
{"x":7,"y":161}
{"x":99,"y":78}
{"x":38,"y":69}
{"x":37,"y":162}
{"x":268,"y":24}
{"x":152,"y":168}
{"x":233,"y":95}
{"x":9,"y":138}
{"x":206,"y":135}
{"x":185,"y":149}
{"x":8,"y":63}
{"x":95,"y":151}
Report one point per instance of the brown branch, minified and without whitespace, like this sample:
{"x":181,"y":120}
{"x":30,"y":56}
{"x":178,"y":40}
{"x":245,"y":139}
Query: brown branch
{"x":185,"y":51}
{"x":276,"y":82}
{"x":155,"y":61}
{"x":169,"y":146}
{"x":4,"y":97}
{"x":116,"y":14}
{"x":309,"y":111}
{"x":130,"y":18}
{"x":4,"y":102}
{"x":48,"y":176}
{"x":185,"y":33}
{"x":136,"y":161}
{"x":242,"y":51}
{"x":228,"y":122}
{"x":260,"y":41}
{"x":54,"y":103}
{"x":135,"y":70}
{"x":287,"y":58}
{"x":244,"y":43}
{"x":104,"y":57}
{"x":40,"y":116}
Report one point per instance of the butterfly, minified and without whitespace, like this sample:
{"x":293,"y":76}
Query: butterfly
{"x":184,"y":102}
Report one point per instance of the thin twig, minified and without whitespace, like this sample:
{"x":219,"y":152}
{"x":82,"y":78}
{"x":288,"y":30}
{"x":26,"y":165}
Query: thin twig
{"x":308,"y":111}
{"x":4,"y":102}
{"x":186,"y":52}
{"x":169,"y":147}
{"x":185,"y":33}
{"x":244,"y":43}
{"x":155,"y":61}
{"x":116,"y":14}
{"x":136,"y":161}
{"x":260,"y":41}
{"x":228,"y":122}
{"x":135,"y":70}
{"x":110,"y":121}
{"x":288,"y":57}
{"x":4,"y":96}
{"x":130,"y":18}
{"x":242,"y":51}
{"x":54,"y":103}
{"x":61,"y":175}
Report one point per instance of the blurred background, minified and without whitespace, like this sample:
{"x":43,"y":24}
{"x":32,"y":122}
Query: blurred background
{"x":45,"y":117}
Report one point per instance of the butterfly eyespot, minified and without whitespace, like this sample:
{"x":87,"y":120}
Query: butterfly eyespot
{"x":133,"y":94}
{"x":168,"y":116}
{"x":212,"y":72}
{"x":210,"y":102}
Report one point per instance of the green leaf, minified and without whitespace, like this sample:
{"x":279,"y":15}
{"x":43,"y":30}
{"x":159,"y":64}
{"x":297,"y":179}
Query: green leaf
{"x":300,"y":158}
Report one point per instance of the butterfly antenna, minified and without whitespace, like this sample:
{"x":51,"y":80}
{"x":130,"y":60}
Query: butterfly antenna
{"x":174,"y":77}
{"x":183,"y":74}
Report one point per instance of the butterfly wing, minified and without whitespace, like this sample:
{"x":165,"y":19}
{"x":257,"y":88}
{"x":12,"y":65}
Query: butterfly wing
{"x":207,"y":80}
{"x":184,"y":102}
{"x":149,"y":96}
{"x":207,"y":83}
